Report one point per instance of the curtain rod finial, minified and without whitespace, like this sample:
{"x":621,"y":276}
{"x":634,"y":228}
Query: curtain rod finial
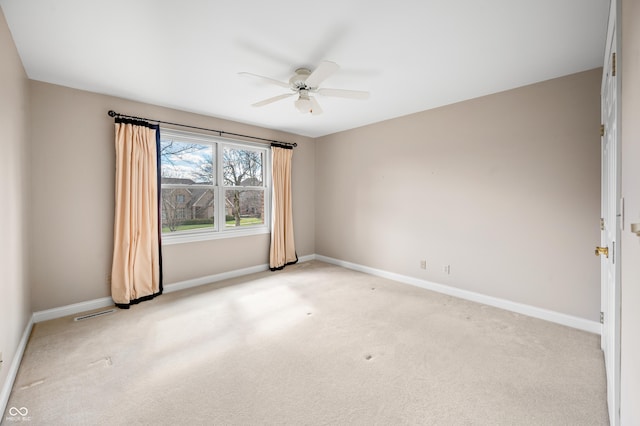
{"x":111,"y":113}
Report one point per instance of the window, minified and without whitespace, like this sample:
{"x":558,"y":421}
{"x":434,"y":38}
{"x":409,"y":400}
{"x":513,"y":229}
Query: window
{"x":212,"y":187}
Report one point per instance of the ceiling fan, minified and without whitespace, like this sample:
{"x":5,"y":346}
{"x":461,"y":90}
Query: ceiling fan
{"x":304,"y":83}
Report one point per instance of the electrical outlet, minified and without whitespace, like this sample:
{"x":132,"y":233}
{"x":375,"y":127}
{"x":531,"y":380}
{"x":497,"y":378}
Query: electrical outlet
{"x":423,"y":264}
{"x":446,"y":269}
{"x":109,"y":279}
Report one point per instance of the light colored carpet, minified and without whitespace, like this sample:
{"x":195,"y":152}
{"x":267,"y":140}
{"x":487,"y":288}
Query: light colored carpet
{"x":314,"y":344}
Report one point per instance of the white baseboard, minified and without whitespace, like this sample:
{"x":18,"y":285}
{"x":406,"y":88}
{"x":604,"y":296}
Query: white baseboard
{"x":306,"y":258}
{"x":532,"y":311}
{"x":105,"y":302}
{"x":13,"y":368}
{"x":75,"y":308}
{"x":196,"y":282}
{"x":183,"y":285}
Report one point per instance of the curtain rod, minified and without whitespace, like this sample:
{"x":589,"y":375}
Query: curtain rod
{"x":114,"y":114}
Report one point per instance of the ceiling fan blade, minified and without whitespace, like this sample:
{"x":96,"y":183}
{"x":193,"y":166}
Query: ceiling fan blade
{"x":324,"y":70}
{"x":268,"y":79}
{"x":315,"y":106}
{"x":271,"y":100}
{"x":342,"y":93}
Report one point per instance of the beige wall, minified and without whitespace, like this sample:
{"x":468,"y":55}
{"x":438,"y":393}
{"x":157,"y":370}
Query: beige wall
{"x":15,"y":309}
{"x":72,"y":168}
{"x":504,"y":188}
{"x":630,"y":243}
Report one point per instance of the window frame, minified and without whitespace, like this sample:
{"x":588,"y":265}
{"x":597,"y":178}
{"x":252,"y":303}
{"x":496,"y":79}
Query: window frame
{"x":219,"y":230}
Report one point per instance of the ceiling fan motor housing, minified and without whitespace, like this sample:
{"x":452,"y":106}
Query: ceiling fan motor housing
{"x":298,"y":80}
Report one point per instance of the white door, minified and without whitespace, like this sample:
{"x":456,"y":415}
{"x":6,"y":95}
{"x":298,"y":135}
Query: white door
{"x":611,"y":222}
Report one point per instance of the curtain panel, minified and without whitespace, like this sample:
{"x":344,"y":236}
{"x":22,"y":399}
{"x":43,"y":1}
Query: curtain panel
{"x":136,"y":274}
{"x":283,"y":249}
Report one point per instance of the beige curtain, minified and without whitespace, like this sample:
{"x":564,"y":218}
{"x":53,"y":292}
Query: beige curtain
{"x":283,"y":249}
{"x":136,"y":271}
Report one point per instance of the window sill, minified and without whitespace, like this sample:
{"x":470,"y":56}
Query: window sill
{"x":170,"y":239}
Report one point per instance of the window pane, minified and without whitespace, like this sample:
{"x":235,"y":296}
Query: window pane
{"x":186,"y":163}
{"x":244,"y":207}
{"x":187,"y":208}
{"x":242,"y":167}
{"x":206,"y":178}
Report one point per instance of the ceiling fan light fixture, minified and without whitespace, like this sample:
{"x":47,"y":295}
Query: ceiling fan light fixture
{"x":303,"y":103}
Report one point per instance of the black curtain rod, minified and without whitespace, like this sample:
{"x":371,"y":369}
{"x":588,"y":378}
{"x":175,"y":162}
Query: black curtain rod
{"x":114,"y":114}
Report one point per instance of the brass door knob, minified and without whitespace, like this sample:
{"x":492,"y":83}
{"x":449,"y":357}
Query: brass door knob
{"x":602,"y":250}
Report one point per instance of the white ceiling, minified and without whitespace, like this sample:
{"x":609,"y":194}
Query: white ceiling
{"x":412,"y":55}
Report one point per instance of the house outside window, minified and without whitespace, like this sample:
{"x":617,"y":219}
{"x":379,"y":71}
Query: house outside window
{"x":212,"y":187}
